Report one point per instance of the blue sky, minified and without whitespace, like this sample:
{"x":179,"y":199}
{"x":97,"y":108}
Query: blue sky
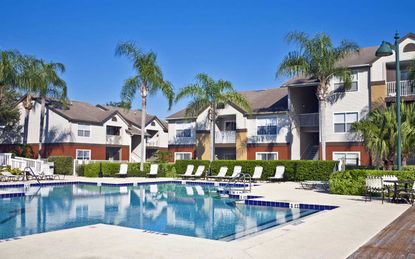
{"x":240,"y":41}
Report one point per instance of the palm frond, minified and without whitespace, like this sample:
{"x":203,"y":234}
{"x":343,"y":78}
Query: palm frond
{"x":196,"y":106}
{"x":129,"y":89}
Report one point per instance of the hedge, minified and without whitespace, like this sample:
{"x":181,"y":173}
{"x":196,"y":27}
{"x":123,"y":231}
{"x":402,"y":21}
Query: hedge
{"x":110,"y":169}
{"x":295,"y":170}
{"x":63,"y":164}
{"x":352,"y":182}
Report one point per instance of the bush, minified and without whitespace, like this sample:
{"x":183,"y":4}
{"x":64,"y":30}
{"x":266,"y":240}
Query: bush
{"x":295,"y":170}
{"x":353,"y":182}
{"x":110,"y":169}
{"x":63,"y":164}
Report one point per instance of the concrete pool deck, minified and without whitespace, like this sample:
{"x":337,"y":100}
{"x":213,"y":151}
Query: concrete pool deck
{"x":328,"y":234}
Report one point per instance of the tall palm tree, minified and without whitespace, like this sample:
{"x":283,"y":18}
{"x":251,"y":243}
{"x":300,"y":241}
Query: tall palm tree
{"x":9,"y":71}
{"x":148,"y":81}
{"x":208,"y":93}
{"x":43,"y":80}
{"x":318,"y":58}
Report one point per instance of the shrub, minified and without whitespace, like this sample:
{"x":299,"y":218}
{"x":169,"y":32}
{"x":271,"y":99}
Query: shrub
{"x":295,"y":170}
{"x":352,"y":182}
{"x":110,"y":169}
{"x":63,"y":164}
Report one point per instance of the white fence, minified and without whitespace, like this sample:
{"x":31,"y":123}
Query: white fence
{"x":5,"y":159}
{"x":225,"y":137}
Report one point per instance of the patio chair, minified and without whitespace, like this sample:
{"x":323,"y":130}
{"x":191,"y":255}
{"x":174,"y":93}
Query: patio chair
{"x":236,"y":172}
{"x":188,"y":173}
{"x":123,"y":170}
{"x":34,"y":174}
{"x":154,"y":168}
{"x":7,"y":176}
{"x":48,"y":173}
{"x":374,"y":185}
{"x":222,"y":173}
{"x":199,"y":171}
{"x":388,"y":185}
{"x":279,"y":174}
{"x":257,"y":173}
{"x":407,"y":194}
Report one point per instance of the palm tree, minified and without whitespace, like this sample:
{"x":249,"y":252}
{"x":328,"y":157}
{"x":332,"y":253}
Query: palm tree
{"x":42,"y":79}
{"x":379,"y":131}
{"x":9,"y":71}
{"x":148,"y":80}
{"x":208,"y":93}
{"x":317,"y":58}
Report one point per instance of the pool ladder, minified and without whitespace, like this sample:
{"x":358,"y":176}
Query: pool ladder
{"x":243,"y":178}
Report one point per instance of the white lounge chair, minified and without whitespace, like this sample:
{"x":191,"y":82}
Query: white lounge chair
{"x":236,"y":171}
{"x":257,"y":173}
{"x":279,"y":174}
{"x":154,"y":168}
{"x":123,"y":170}
{"x":389,"y":185}
{"x":188,"y":173}
{"x":374,"y":185}
{"x":7,"y":176}
{"x":222,"y":173}
{"x":34,"y":174}
{"x":48,"y":173}
{"x":199,"y":171}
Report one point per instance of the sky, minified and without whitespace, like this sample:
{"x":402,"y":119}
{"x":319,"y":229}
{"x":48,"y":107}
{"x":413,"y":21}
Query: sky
{"x":236,"y":40}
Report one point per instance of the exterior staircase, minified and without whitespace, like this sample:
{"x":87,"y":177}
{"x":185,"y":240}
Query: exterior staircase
{"x":311,"y":153}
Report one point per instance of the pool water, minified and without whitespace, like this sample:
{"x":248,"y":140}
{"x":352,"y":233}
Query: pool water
{"x":190,"y":210}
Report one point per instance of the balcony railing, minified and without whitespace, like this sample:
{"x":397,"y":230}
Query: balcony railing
{"x":113,"y":140}
{"x":153,"y":142}
{"x":224,"y":137}
{"x":263,"y":139}
{"x":406,"y":88}
{"x":309,"y":119}
{"x":182,"y":141}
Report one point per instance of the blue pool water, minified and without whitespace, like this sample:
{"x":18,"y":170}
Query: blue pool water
{"x":190,"y":210}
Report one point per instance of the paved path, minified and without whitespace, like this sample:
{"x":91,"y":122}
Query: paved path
{"x":397,"y":240}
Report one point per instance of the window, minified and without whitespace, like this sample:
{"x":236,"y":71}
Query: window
{"x":113,"y":131}
{"x":84,"y":130}
{"x":183,"y":155}
{"x":230,"y":125}
{"x":153,"y":123}
{"x":83,"y":154}
{"x":343,"y":121}
{"x":266,"y":155}
{"x":183,"y":130}
{"x":114,"y":119}
{"x":350,"y":158}
{"x":339,"y":87}
{"x":184,"y":133}
{"x":266,"y":126}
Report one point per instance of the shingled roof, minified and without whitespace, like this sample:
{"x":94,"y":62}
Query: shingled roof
{"x":261,"y":101}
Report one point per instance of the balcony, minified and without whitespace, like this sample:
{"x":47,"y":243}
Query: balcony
{"x":182,"y":141}
{"x":406,"y":88}
{"x":225,"y":137}
{"x":309,"y":120}
{"x":154,"y":142}
{"x":113,"y":140}
{"x":263,"y":139}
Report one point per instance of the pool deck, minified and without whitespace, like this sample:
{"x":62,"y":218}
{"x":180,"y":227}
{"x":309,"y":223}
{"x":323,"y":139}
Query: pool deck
{"x":328,"y":234}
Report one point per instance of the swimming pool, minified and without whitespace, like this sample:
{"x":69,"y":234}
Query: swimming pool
{"x":172,"y":208}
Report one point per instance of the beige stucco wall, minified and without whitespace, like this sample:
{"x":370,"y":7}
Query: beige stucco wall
{"x":203,"y":146}
{"x":241,"y":142}
{"x":378,"y":94}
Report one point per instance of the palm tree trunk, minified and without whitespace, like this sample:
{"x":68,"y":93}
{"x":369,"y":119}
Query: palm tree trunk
{"x":322,"y":124}
{"x":212,"y":132}
{"x":41,"y":127}
{"x":143,"y":125}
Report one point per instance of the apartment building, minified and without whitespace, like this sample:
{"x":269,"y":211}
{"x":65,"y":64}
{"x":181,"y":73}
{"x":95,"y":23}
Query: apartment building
{"x":285,"y":121}
{"x":262,"y":134}
{"x":89,"y":132}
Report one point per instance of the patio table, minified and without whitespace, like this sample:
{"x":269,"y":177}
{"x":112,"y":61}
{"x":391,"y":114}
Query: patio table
{"x":396,"y":184}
